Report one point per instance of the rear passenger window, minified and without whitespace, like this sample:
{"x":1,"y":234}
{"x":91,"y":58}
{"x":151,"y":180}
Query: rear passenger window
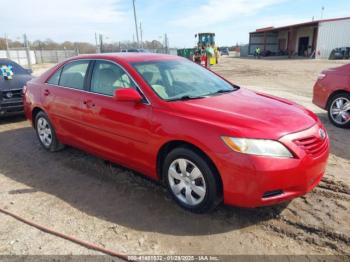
{"x":73,"y":74}
{"x":55,"y":78}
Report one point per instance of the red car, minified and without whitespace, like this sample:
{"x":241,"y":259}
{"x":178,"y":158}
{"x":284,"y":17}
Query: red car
{"x":332,"y":93}
{"x":207,"y":139}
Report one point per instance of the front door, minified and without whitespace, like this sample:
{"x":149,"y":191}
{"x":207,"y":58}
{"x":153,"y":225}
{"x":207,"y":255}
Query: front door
{"x":119,"y":131}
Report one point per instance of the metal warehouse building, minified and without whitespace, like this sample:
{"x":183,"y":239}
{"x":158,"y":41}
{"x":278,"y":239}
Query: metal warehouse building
{"x":317,"y":38}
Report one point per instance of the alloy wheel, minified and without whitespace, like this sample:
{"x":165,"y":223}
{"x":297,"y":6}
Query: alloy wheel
{"x":340,"y":110}
{"x":44,"y":132}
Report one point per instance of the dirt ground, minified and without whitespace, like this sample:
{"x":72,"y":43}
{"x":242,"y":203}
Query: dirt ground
{"x":81,"y":195}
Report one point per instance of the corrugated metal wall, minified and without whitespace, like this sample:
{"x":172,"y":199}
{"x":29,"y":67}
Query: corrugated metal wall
{"x":332,"y":35}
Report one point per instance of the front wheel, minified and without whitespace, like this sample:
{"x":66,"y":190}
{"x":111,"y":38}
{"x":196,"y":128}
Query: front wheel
{"x":191,"y":180}
{"x":339,"y":110}
{"x":46,"y":133}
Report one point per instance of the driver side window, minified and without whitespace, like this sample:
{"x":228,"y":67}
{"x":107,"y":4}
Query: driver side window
{"x":107,"y":76}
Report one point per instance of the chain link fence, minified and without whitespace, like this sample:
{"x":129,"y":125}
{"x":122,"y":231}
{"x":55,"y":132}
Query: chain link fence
{"x":27,"y":58}
{"x":53,"y":56}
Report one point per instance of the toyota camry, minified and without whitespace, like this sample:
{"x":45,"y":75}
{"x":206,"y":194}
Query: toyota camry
{"x":207,"y":139}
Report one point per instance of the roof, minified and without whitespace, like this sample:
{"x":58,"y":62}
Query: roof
{"x":5,"y":59}
{"x":129,"y":57}
{"x":310,"y":23}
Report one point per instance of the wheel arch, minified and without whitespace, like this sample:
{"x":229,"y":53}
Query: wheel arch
{"x":35,"y":111}
{"x":337,"y":92}
{"x":171,"y":145}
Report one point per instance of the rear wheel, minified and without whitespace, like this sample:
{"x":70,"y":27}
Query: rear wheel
{"x":339,"y":110}
{"x":46,"y":133}
{"x":191,"y":180}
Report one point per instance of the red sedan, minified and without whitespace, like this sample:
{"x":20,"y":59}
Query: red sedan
{"x":207,"y":139}
{"x":332,"y":93}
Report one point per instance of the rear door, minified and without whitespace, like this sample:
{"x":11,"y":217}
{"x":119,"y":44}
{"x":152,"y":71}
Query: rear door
{"x":118,"y":130}
{"x":63,"y":97}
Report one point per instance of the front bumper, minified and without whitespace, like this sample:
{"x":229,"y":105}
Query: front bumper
{"x":252,"y":181}
{"x":11,"y":107}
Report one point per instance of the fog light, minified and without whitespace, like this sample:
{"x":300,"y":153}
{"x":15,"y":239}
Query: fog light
{"x":272,"y":193}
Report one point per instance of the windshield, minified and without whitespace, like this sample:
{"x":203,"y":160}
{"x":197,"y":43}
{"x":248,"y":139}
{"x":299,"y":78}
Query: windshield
{"x":181,"y":79}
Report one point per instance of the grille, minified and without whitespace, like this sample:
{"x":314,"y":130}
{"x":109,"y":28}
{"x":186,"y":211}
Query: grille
{"x":313,"y":146}
{"x":18,"y":93}
{"x":13,"y":104}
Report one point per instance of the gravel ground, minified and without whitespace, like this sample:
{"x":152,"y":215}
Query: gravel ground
{"x":81,"y":195}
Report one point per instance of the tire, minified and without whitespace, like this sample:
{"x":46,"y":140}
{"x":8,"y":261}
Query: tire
{"x":191,"y":180}
{"x":335,"y":105}
{"x":46,"y":133}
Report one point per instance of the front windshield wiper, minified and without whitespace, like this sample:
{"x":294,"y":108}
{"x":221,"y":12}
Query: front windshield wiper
{"x":222,"y":91}
{"x":185,"y":97}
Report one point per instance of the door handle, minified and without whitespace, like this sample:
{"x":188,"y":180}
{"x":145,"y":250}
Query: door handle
{"x":46,"y":92}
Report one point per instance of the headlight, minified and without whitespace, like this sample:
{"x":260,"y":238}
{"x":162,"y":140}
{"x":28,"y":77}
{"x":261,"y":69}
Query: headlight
{"x":321,"y":76}
{"x":258,"y":147}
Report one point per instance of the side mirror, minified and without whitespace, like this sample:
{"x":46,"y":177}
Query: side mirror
{"x":30,"y":71}
{"x":127,"y":94}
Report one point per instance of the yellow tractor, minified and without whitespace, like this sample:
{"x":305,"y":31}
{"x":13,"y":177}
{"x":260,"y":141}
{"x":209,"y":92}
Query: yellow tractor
{"x":207,"y":51}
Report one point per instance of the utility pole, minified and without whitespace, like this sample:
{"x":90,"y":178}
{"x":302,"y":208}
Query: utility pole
{"x":97,"y":45}
{"x":26,"y":45}
{"x":141,"y":32}
{"x":77,"y":51}
{"x":166,"y":43}
{"x":101,"y":43}
{"x":135,"y":18}
{"x":322,"y":10}
{"x":7,"y":47}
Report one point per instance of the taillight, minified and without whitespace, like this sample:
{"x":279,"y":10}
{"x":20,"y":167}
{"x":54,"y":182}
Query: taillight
{"x":321,"y":76}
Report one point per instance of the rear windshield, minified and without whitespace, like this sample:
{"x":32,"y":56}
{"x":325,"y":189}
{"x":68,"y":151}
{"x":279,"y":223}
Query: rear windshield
{"x":16,"y":68}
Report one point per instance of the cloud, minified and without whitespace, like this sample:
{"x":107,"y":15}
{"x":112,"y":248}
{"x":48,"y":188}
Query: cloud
{"x":217,"y":11}
{"x":57,"y":19}
{"x":78,"y":11}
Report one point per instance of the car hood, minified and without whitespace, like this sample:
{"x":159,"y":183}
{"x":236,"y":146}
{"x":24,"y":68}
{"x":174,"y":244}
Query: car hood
{"x":245,"y":113}
{"x":17,"y":82}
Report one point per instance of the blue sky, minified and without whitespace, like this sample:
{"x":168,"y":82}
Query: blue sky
{"x":231,"y":20}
